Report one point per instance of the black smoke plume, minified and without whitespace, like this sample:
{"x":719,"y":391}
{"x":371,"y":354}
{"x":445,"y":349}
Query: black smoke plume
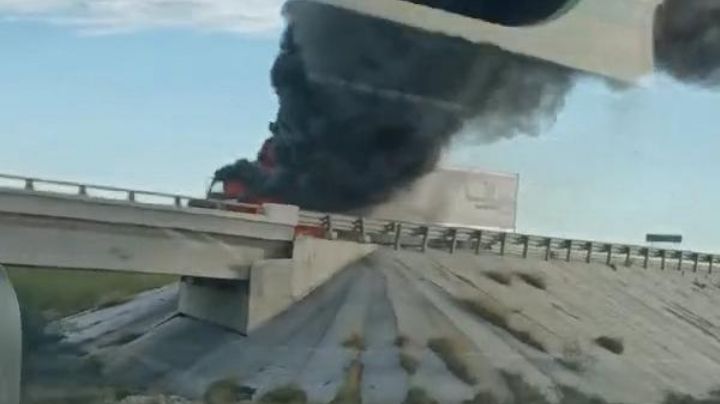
{"x":688,"y":40}
{"x":367,"y":106}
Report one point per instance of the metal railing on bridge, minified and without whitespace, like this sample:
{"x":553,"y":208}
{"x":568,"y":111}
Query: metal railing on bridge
{"x":404,"y":235}
{"x":111,"y":193}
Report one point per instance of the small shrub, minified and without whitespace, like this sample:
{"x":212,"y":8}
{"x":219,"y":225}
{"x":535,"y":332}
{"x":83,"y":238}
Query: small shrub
{"x":449,"y":353}
{"x":290,"y":394}
{"x":402,"y":341}
{"x":483,"y":397}
{"x":573,"y":357}
{"x":489,"y":311}
{"x":354,"y":341}
{"x":409,"y":363}
{"x":499,"y":316}
{"x":227,"y":391}
{"x":350,"y":391}
{"x":614,"y":345}
{"x":525,"y":393}
{"x":417,"y":395}
{"x":501,"y":277}
{"x":527,"y":338}
{"x":535,"y":280}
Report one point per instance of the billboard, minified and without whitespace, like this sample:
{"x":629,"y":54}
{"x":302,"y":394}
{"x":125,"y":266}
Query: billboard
{"x":456,"y":197}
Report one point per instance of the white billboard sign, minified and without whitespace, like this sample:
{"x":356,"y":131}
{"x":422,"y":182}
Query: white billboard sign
{"x":455,"y":197}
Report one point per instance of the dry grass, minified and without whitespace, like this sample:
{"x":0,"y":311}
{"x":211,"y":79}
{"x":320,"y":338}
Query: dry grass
{"x":409,"y":363}
{"x":418,"y":395}
{"x":449,"y":352}
{"x":501,"y":277}
{"x":354,"y":341}
{"x":488,"y":310}
{"x":38,"y":289}
{"x":499,"y":316}
{"x":536,"y":280}
{"x":290,"y":394}
{"x":227,"y":391}
{"x":527,"y":338}
{"x":612,"y":344}
{"x":350,"y":391}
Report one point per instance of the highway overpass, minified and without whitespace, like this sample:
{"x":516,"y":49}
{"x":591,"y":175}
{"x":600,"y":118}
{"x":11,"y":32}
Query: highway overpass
{"x":240,"y":270}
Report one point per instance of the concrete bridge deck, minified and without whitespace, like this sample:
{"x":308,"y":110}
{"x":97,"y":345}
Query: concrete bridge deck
{"x":57,"y":230}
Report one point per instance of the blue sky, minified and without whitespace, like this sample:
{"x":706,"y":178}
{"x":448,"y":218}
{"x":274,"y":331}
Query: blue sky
{"x":159,"y":102}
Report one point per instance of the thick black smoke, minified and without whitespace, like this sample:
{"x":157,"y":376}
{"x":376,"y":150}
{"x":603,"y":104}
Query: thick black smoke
{"x":688,"y":40}
{"x":367,"y":106}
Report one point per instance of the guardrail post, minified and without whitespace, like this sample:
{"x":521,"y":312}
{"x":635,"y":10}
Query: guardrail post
{"x":453,"y":233}
{"x":628,"y":251}
{"x":478,"y":246}
{"x":398,"y":235}
{"x":548,"y":249}
{"x":711,"y":259}
{"x":646,"y":257}
{"x":589,"y":247}
{"x":328,"y":224}
{"x":526,"y":246}
{"x":680,"y":261}
{"x":131,"y":196}
{"x":696,"y":259}
{"x":608,"y":260}
{"x":359,"y":226}
{"x":82,"y":190}
{"x":568,"y":253}
{"x":29,"y":184}
{"x":503,"y":241}
{"x":663,"y":257}
{"x":425,"y":238}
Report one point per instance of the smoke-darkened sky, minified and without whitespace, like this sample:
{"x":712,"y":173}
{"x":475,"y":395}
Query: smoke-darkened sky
{"x":161,"y":109}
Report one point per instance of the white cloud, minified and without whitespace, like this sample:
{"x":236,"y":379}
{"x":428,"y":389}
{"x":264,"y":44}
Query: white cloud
{"x":111,"y":16}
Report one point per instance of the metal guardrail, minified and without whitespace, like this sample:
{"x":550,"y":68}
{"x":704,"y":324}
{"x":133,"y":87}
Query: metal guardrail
{"x":406,"y":235}
{"x":110,"y":193}
{"x":400,"y":234}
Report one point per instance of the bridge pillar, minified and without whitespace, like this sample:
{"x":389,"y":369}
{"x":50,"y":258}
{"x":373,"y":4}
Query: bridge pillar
{"x":10,"y":342}
{"x":239,"y":305}
{"x":272,"y":287}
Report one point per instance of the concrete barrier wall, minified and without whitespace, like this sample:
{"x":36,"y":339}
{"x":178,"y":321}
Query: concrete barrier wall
{"x":272,"y":287}
{"x":10,"y":342}
{"x":316,"y":260}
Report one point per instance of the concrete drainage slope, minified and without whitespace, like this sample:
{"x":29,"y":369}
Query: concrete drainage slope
{"x":404,"y":327}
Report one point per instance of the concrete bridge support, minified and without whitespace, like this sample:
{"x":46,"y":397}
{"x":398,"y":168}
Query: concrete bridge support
{"x":272,"y":287}
{"x":10,"y":342}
